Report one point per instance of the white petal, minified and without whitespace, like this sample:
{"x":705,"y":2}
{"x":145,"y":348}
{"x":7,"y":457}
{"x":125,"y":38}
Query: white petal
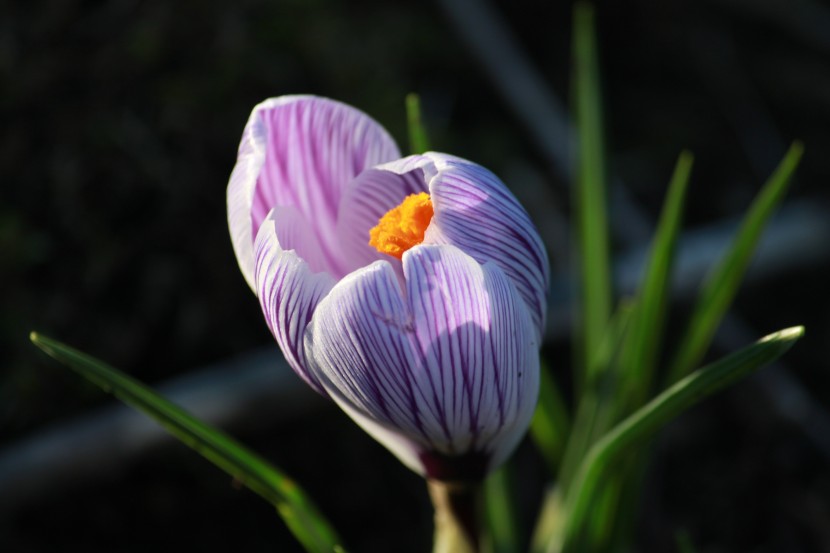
{"x":448,"y":371}
{"x":300,"y":151}
{"x":288,"y":291}
{"x":475,"y":211}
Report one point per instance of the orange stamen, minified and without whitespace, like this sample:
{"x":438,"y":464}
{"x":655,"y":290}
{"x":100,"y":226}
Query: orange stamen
{"x":403,"y":226}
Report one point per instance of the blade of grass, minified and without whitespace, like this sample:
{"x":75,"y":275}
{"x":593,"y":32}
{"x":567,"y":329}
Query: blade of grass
{"x":643,"y":341}
{"x":592,"y":419}
{"x":551,"y":424}
{"x":588,"y":424}
{"x":721,"y":285}
{"x":646,"y":421}
{"x":594,"y":277}
{"x":599,"y":527}
{"x":635,"y":369}
{"x":500,"y":510}
{"x":418,"y":141}
{"x":297,"y":510}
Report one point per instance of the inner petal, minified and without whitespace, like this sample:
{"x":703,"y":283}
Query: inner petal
{"x":295,"y":232}
{"x":313,"y":148}
{"x":365,"y":201}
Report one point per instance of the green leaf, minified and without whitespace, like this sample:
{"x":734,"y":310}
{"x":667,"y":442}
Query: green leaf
{"x":298,"y":512}
{"x":600,"y":526}
{"x":594,"y":413}
{"x":645,"y":422}
{"x":594,"y":277}
{"x":500,"y":511}
{"x":721,"y":285}
{"x":550,"y":425}
{"x":643,"y":341}
{"x":635,"y":367}
{"x":418,"y":141}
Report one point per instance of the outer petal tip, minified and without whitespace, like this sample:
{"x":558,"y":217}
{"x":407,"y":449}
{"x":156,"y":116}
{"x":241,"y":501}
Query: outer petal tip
{"x":300,"y":151}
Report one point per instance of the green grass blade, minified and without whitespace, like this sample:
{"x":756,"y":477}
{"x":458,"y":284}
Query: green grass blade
{"x":599,"y":527}
{"x":594,"y":415}
{"x":645,"y":422}
{"x":721,"y":285}
{"x":500,"y":511}
{"x":298,"y":512}
{"x":590,"y":195}
{"x":551,"y":424}
{"x":635,"y":367}
{"x":647,"y":322}
{"x":418,"y":141}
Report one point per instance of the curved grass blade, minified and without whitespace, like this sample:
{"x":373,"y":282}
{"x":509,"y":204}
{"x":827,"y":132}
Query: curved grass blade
{"x":550,"y":425}
{"x":500,"y":511}
{"x":418,"y":141}
{"x":594,"y":413}
{"x":595,"y":281}
{"x":646,"y":421}
{"x":643,"y":341}
{"x":298,"y":512}
{"x":721,"y":285}
{"x":562,"y":444}
{"x":634,"y":371}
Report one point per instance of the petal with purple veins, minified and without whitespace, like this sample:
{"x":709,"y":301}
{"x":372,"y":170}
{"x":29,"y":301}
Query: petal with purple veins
{"x":478,"y":343}
{"x":475,"y":211}
{"x":448,"y":369}
{"x":300,"y":151}
{"x":287,"y":286}
{"x":360,"y":345}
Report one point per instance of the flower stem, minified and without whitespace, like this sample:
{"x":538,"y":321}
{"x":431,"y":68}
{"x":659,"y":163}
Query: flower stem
{"x":457,"y":516}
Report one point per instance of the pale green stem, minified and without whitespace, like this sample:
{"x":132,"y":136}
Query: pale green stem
{"x":457,"y":516}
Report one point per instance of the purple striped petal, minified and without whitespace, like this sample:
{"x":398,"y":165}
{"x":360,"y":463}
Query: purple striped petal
{"x":287,"y":287}
{"x":479,"y":345}
{"x":360,"y":344}
{"x":449,"y":370}
{"x":475,"y":211}
{"x":300,"y":151}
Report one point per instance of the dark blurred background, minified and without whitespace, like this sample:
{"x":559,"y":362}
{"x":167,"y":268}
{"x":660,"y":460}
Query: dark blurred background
{"x":120,"y":122}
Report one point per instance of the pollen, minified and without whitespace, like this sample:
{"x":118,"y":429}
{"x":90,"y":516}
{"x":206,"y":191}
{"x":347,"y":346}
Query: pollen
{"x":403,"y":226}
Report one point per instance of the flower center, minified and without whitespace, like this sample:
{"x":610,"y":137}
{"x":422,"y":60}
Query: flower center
{"x":403,"y":226}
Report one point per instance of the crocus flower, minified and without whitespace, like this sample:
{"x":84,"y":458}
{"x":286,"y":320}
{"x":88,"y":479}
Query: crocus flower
{"x":428,"y":337}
